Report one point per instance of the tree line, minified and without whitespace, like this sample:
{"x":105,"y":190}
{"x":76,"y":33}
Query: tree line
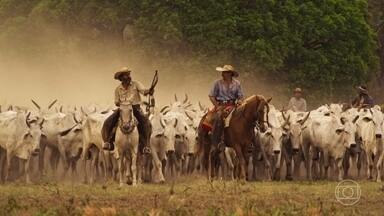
{"x":327,"y":47}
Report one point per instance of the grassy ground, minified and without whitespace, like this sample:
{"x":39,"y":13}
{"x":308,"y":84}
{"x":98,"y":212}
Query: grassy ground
{"x":188,"y":196}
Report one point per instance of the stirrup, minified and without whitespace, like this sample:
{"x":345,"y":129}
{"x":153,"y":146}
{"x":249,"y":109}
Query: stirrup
{"x":146,"y":150}
{"x":108,"y":146}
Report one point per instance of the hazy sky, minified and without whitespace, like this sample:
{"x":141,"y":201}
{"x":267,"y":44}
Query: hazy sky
{"x":78,"y":76}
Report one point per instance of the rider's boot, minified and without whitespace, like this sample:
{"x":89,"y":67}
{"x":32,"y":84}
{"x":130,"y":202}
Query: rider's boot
{"x":109,"y":145}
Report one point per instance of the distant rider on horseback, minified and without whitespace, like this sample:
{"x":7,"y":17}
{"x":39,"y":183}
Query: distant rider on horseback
{"x":128,"y":93}
{"x":225,"y":94}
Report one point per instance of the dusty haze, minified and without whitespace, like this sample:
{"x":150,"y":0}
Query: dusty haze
{"x":82,"y":73}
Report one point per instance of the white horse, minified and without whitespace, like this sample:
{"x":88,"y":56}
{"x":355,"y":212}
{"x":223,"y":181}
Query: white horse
{"x":126,"y":144}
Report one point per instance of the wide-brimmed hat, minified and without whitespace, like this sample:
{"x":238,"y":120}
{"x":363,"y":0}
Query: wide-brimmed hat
{"x":363,"y":89}
{"x":298,"y":90}
{"x":229,"y":68}
{"x":121,"y":72}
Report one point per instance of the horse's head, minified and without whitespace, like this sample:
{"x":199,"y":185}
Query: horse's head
{"x":257,"y":109}
{"x":262,"y":114}
{"x":126,"y":120}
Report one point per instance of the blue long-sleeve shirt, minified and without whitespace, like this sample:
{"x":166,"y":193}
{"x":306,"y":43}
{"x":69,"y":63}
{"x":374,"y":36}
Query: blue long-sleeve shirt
{"x":223,"y":93}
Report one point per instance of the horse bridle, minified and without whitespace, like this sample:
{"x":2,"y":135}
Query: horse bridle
{"x":258,"y":121}
{"x":131,"y":124}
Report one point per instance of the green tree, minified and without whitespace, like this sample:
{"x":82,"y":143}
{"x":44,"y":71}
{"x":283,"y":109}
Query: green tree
{"x":325,"y":46}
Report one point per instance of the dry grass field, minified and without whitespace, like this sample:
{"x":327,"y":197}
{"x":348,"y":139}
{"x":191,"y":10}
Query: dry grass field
{"x":192,"y":195}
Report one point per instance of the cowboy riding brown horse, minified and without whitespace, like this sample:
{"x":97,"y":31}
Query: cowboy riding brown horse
{"x":239,"y":134}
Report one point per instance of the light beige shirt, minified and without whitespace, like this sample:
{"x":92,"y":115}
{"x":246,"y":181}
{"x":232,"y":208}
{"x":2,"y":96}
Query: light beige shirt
{"x":297,"y":105}
{"x":131,"y":95}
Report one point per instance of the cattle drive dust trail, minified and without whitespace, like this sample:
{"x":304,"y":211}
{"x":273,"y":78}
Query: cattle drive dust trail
{"x":57,"y":67}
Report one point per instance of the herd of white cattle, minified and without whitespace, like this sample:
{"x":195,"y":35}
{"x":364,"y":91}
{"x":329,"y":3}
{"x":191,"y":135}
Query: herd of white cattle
{"x":321,"y":144}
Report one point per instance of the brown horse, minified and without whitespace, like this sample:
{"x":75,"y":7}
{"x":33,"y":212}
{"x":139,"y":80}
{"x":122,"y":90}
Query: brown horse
{"x":253,"y":112}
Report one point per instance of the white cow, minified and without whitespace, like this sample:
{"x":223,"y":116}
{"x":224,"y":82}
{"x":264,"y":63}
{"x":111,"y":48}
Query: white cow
{"x":70,"y":142}
{"x":93,"y":145}
{"x":333,"y":136}
{"x":271,"y":142}
{"x":294,"y":124}
{"x":194,"y":117}
{"x":370,"y":131}
{"x":19,"y":136}
{"x":162,"y":144}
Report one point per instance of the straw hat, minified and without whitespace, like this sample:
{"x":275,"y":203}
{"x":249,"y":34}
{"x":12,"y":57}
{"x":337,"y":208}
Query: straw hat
{"x":229,"y":68}
{"x":122,"y":71}
{"x":363,"y":89}
{"x":298,"y":90}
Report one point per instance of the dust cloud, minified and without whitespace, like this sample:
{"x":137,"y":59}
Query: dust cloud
{"x":82,"y":73}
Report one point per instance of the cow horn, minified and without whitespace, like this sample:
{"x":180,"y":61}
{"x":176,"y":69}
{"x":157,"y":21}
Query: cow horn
{"x":175,"y":123}
{"x":176,"y":98}
{"x":355,"y":119}
{"x":65,"y":132}
{"x":286,"y":120}
{"x":75,"y":119}
{"x":51,"y":105}
{"x":305,"y":118}
{"x":164,"y":108}
{"x":82,"y":110}
{"x":343,"y":120}
{"x":162,"y":123}
{"x":41,"y":123}
{"x":201,"y":106}
{"x":27,"y":118}
{"x":36,"y":104}
{"x":190,"y":117}
{"x":188,"y":105}
{"x":186,"y":99}
{"x":269,"y":99}
{"x":61,"y":109}
{"x":10,"y":108}
{"x":284,"y":117}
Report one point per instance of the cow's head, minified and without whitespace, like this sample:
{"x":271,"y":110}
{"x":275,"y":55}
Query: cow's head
{"x":275,"y":135}
{"x":169,"y":133}
{"x":371,"y":122}
{"x":348,"y":132}
{"x":191,"y":139}
{"x":296,"y":128}
{"x":33,"y":134}
{"x":71,"y":140}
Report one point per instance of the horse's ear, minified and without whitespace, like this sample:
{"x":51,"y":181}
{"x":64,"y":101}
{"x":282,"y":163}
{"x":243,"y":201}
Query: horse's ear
{"x":269,"y":99}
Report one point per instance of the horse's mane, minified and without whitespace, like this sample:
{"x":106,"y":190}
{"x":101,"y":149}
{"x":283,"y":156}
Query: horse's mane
{"x":248,"y":100}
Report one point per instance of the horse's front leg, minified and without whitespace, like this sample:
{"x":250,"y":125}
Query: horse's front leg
{"x":242,"y":162}
{"x":134,"y":165}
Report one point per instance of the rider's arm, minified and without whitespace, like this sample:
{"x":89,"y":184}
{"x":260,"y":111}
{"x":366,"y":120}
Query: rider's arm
{"x":304,"y":105}
{"x":213,"y":94}
{"x":213,"y":100}
{"x":117,"y":97}
{"x":290,"y":105}
{"x":140,"y":87}
{"x":240,"y":94}
{"x":355,"y":102}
